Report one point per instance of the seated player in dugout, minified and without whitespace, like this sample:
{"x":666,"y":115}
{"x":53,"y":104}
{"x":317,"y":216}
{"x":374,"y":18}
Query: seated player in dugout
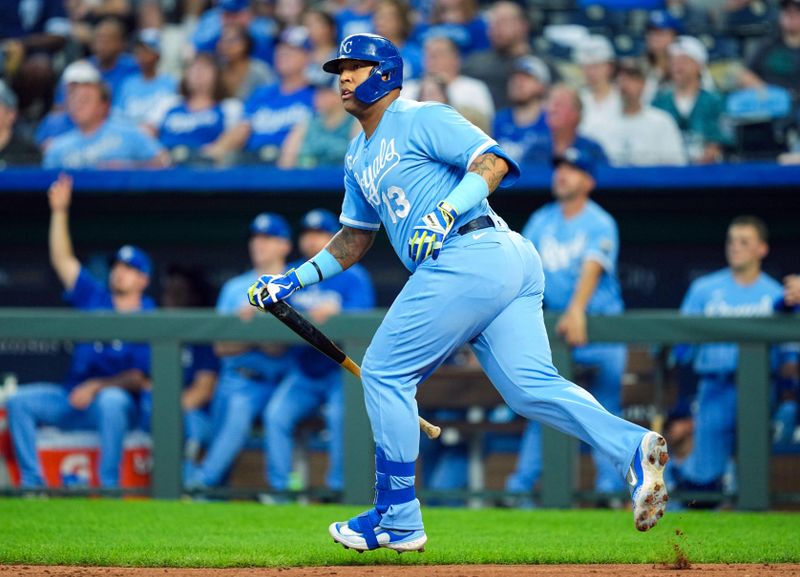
{"x":423,"y":172}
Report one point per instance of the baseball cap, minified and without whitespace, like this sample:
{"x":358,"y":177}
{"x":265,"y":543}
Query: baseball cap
{"x":233,"y":5}
{"x":7,"y":96}
{"x":135,"y":257}
{"x":663,"y":20}
{"x":297,"y":37}
{"x":81,"y":72}
{"x":149,"y":38}
{"x":533,"y":67}
{"x":594,"y":49}
{"x":271,"y":224}
{"x":320,"y":219}
{"x":691,"y":47}
{"x":577,"y":158}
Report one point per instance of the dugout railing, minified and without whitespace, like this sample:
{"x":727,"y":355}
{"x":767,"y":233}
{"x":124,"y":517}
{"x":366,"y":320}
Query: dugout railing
{"x":166,"y":331}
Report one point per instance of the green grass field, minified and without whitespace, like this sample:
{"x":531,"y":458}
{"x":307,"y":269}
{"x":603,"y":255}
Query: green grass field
{"x":183,"y":534}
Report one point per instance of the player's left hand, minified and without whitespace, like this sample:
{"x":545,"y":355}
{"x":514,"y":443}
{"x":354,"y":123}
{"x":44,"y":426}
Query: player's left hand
{"x":572,"y":327}
{"x":82,"y":396}
{"x":429,"y":236}
{"x":273,"y":288}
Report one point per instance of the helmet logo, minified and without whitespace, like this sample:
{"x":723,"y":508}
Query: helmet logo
{"x":347,"y":46}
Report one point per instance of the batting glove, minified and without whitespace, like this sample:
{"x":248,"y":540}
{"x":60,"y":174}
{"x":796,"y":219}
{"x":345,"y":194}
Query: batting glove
{"x":272,"y":288}
{"x":428,"y":237}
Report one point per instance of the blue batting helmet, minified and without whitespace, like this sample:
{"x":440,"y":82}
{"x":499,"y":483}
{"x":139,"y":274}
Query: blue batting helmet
{"x":371,"y":48}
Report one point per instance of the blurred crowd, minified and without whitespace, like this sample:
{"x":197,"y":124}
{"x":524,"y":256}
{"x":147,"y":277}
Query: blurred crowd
{"x":155,"y":83}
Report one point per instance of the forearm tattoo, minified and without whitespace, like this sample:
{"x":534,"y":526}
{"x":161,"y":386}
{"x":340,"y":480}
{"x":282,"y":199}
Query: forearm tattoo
{"x":350,"y":244}
{"x":491,"y":167}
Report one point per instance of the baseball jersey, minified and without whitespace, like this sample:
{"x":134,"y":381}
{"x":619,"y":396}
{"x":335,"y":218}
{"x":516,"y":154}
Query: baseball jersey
{"x":196,"y":358}
{"x":351,"y":289}
{"x":181,"y":126}
{"x":719,"y":295}
{"x":255,"y":363}
{"x":272,"y":114}
{"x":139,"y":96}
{"x":419,"y":152}
{"x":564,"y":244}
{"x":520,"y":141}
{"x":115,"y":141}
{"x":98,"y":359}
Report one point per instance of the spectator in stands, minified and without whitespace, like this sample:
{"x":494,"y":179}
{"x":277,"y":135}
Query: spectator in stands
{"x":696,"y":110}
{"x":521,"y":129}
{"x":262,"y":29}
{"x":791,"y":290}
{"x":101,"y":389}
{"x":200,"y":116}
{"x":579,"y":243}
{"x":509,"y":37}
{"x":777,"y":60}
{"x":469,"y":96}
{"x":642,"y":135}
{"x":148,"y":90}
{"x":249,"y":372}
{"x":98,"y":141}
{"x":57,"y":121}
{"x":31,"y":33}
{"x":241,"y":73}
{"x":459,"y":21}
{"x":272,"y":111}
{"x":602,"y":104}
{"x":109,"y":56}
{"x":662,"y":30}
{"x":393,"y":20}
{"x":741,"y":289}
{"x":289,"y":13}
{"x":321,"y":26}
{"x":355,"y":17}
{"x":185,"y":287}
{"x":315,"y":381}
{"x":15,"y":150}
{"x":563,"y":117}
{"x":323,"y":139}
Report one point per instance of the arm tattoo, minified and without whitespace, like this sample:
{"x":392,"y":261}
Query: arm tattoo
{"x":350,"y":244}
{"x":491,"y":167}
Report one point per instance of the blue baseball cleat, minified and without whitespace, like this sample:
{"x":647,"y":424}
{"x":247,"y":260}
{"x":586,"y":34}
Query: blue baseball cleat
{"x":646,"y":481}
{"x":363,"y":533}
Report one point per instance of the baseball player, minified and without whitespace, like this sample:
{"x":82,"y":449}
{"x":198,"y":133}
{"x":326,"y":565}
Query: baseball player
{"x":425,"y":173}
{"x":578,"y":243}
{"x":102,"y":388}
{"x":314,"y":379}
{"x":741,"y":289}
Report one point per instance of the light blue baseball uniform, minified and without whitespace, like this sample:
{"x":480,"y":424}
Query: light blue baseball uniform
{"x":485,"y":288}
{"x":314,"y":380}
{"x":565,"y":244}
{"x":245,"y":385}
{"x":719,"y":295}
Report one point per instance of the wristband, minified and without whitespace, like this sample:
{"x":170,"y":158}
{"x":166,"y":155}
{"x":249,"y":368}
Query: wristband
{"x":323,"y":265}
{"x":468,"y":193}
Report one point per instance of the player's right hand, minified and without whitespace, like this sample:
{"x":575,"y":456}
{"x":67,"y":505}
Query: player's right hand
{"x":273,"y":288}
{"x":60,"y":193}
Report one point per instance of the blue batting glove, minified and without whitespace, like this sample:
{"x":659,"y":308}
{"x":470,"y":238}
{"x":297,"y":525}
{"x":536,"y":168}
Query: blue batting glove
{"x":272,"y":288}
{"x":429,"y":236}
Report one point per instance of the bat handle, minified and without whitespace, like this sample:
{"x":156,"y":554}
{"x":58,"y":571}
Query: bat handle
{"x":432,"y":431}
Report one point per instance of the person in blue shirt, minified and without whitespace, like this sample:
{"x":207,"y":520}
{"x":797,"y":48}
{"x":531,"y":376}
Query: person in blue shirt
{"x":741,"y":289}
{"x":262,"y":30}
{"x":564,"y":112}
{"x":314,"y":380}
{"x":579,"y":243}
{"x":199,"y":116}
{"x":424,"y":172}
{"x":98,"y":141}
{"x":272,"y":111}
{"x":460,"y":21}
{"x":249,"y":372}
{"x":392,"y":19}
{"x":355,"y":17}
{"x":101,"y":389}
{"x":142,"y":93}
{"x":521,"y":128}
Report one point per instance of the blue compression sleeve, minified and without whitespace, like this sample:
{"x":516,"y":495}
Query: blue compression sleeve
{"x":323,"y":265}
{"x":470,"y":191}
